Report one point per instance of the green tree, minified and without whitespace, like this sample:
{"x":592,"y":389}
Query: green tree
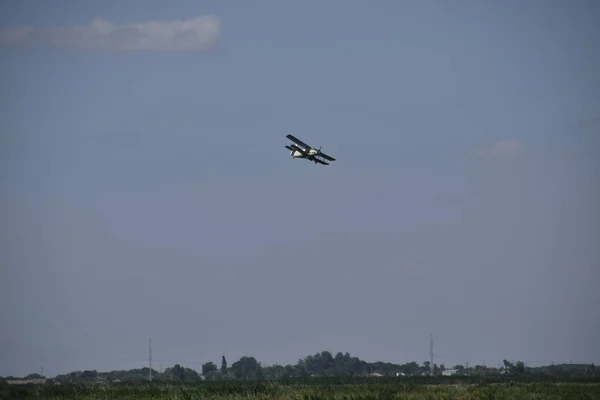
{"x":518,"y":368}
{"x":246,"y":368}
{"x":190,"y":375}
{"x":208,"y":368}
{"x":426,"y":367}
{"x":274,"y":372}
{"x":291,"y":371}
{"x":34,"y":376}
{"x":178,"y":372}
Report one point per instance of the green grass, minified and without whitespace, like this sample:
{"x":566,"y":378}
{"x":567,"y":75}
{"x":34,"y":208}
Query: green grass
{"x":290,"y":391}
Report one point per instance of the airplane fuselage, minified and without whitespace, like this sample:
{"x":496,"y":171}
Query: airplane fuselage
{"x":297,"y":154}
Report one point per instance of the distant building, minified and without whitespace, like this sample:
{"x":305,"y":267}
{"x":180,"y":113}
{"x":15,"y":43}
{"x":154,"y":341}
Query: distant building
{"x":449,"y":372}
{"x":26,"y":381}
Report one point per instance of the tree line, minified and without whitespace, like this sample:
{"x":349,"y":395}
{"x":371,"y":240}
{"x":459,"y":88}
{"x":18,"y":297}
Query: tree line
{"x":322,"y":364}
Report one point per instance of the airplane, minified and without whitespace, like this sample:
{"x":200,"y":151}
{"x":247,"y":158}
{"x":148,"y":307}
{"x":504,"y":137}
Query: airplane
{"x":307,"y":152}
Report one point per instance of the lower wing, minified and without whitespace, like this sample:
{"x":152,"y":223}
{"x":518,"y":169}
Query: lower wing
{"x":327,"y":157}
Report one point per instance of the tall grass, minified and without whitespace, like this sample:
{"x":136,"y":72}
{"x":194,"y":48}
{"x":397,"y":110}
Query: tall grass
{"x":279,"y":391}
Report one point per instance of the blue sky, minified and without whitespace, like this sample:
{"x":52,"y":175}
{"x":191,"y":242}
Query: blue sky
{"x":147,"y":192}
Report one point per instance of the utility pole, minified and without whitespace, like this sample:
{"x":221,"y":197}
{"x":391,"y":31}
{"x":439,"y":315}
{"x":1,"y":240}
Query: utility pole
{"x":150,"y":359}
{"x":431,"y":352}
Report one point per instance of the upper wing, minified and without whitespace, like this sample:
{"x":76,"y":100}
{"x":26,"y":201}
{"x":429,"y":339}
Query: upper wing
{"x":298,"y":141}
{"x":325,"y":156}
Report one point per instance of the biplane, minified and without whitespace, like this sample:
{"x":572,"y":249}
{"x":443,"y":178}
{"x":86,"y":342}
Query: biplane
{"x":302,"y":150}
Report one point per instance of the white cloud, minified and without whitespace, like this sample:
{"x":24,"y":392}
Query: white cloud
{"x":14,"y":34}
{"x":197,"y":34}
{"x":502,"y":149}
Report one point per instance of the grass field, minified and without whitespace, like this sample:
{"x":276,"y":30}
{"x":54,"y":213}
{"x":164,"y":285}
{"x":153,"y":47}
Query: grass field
{"x":279,"y":391}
